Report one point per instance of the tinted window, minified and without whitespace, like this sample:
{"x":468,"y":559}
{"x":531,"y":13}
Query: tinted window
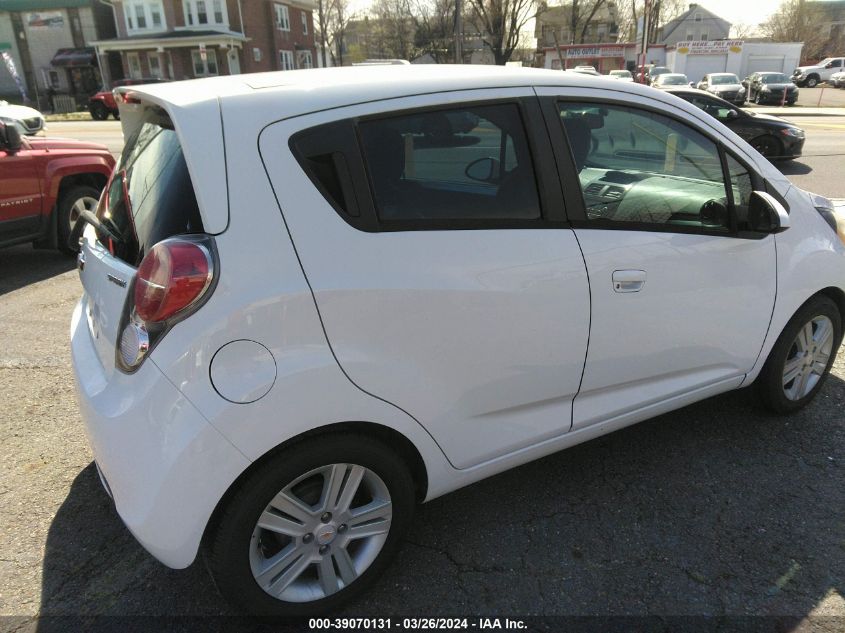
{"x":717,"y":109}
{"x":636,"y":166}
{"x":463,"y":164}
{"x":774,"y":78}
{"x":150,"y":197}
{"x":717,"y":80}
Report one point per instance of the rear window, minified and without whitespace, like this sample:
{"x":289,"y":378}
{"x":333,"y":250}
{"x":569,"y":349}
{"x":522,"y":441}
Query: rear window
{"x":150,"y":196}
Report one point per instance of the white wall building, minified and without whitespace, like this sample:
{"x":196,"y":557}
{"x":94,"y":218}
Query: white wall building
{"x":697,"y":58}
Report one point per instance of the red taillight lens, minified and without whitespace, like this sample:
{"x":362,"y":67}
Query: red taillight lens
{"x":125,"y":97}
{"x":172,"y":276}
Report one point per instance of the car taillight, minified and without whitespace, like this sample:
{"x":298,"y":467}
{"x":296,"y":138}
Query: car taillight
{"x":125,"y":97}
{"x":172,"y":276}
{"x":171,"y":282}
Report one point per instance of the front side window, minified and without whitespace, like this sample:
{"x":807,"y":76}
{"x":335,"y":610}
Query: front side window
{"x":716,"y":109}
{"x":466,"y":164}
{"x":639,"y":167}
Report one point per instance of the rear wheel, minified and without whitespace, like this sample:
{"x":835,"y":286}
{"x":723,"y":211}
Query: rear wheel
{"x":98,"y":111}
{"x":802,"y":357}
{"x":768,"y":146}
{"x":313,"y":527}
{"x":70,"y":209}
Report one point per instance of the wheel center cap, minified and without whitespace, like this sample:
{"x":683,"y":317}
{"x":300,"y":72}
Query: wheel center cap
{"x":326,"y":535}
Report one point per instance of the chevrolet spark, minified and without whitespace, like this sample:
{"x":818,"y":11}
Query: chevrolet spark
{"x":313,"y":299}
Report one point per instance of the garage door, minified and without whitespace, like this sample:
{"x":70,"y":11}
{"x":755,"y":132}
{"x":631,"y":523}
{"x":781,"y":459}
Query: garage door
{"x":699,"y":65}
{"x":765,"y":63}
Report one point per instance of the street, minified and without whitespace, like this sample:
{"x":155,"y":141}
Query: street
{"x":716,"y":509}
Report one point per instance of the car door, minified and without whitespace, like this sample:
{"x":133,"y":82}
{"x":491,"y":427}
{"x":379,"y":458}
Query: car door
{"x":446,"y":276}
{"x":682,"y":293}
{"x":20,"y":194}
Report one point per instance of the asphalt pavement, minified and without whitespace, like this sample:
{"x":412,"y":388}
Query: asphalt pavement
{"x":717,"y":509}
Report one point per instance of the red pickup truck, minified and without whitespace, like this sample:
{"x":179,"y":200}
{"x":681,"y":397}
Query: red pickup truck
{"x":44,"y":185}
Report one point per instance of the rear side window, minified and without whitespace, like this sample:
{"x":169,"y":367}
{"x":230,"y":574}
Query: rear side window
{"x":150,"y":197}
{"x":470,"y":163}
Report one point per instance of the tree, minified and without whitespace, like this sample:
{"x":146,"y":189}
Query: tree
{"x":393,"y":29}
{"x":500,"y":23}
{"x":630,"y":12}
{"x":798,"y":21}
{"x":434,"y":22}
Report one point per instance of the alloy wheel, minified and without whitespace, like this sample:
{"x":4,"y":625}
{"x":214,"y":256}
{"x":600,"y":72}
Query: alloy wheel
{"x":320,"y":533}
{"x":84,"y":203}
{"x":808,"y":356}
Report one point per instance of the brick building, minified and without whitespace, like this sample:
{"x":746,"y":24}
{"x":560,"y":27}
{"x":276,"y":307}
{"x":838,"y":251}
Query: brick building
{"x":46,"y":43}
{"x":184,"y":39}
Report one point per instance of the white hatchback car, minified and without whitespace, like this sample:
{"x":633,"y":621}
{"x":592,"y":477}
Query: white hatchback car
{"x":310,"y":302}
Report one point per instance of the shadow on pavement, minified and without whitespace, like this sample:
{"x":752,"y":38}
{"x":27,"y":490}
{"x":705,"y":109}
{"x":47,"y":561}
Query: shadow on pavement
{"x":793,"y":168}
{"x":23,"y":265}
{"x":716,"y":509}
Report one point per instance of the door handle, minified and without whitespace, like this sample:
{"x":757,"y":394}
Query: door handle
{"x":628,"y":280}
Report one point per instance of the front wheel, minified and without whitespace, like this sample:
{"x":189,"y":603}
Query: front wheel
{"x":70,"y":207}
{"x":98,"y":111}
{"x":812,"y":81}
{"x":768,"y":146}
{"x":313,"y":527}
{"x":802,"y":357}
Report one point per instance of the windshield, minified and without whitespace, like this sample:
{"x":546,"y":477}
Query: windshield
{"x":716,"y":80}
{"x":150,"y":197}
{"x":774,"y":78}
{"x":620,"y":73}
{"x":672,"y":80}
{"x":658,"y":70}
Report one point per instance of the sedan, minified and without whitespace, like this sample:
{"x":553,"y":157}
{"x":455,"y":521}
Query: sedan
{"x":724,"y":85}
{"x":670,"y":80}
{"x":29,"y":121}
{"x":621,"y":75}
{"x":772,"y":88}
{"x":773,"y":137}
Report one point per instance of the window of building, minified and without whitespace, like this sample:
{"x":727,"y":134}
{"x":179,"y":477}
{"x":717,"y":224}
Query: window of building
{"x":134,"y":63}
{"x":256,"y":54}
{"x":282,"y":17}
{"x":286,"y":60}
{"x":144,"y":15}
{"x":690,"y":36}
{"x":704,"y":36}
{"x":202,"y":12}
{"x":305,"y":59}
{"x":642,"y":168}
{"x":304,"y":17}
{"x":464,"y":164}
{"x":209,"y":67}
{"x":697,"y":17}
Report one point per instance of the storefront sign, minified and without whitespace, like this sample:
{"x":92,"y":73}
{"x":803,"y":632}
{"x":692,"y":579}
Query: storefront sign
{"x":45,"y":20}
{"x":587,"y":52}
{"x":709,"y":47}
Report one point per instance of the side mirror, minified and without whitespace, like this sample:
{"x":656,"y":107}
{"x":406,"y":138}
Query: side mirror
{"x":10,"y":137}
{"x":766,"y":214}
{"x":483,"y":170}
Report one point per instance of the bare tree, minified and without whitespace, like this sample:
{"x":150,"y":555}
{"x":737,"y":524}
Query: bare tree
{"x":325,"y":8}
{"x":743,"y":31}
{"x":393,"y":29}
{"x":500,"y":22}
{"x":434,"y":34}
{"x":339,"y":18}
{"x":797,"y":21}
{"x":630,"y":12}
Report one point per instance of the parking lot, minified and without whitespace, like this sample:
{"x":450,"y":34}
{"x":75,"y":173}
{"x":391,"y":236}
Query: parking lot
{"x":716,"y":509}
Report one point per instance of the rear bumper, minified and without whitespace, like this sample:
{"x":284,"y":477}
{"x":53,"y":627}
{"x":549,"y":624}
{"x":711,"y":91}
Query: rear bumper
{"x":165,"y":465}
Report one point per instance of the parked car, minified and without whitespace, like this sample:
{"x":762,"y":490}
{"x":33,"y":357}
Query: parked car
{"x":622,"y":75}
{"x":837,"y":80}
{"x":772,"y":136}
{"x":102,"y":105}
{"x":28,"y":120}
{"x":724,"y":85}
{"x":811,"y":76}
{"x":653,"y":72}
{"x":322,"y":317}
{"x":45,"y":183}
{"x":584,"y":70}
{"x":668,"y":80}
{"x":772,"y":88}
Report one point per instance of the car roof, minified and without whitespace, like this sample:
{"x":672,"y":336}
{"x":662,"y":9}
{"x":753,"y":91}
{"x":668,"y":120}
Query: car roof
{"x":722,"y":74}
{"x":316,"y":89}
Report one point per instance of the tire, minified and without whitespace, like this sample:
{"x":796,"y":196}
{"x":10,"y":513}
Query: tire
{"x":768,"y":146}
{"x":98,"y":111}
{"x":816,"y":326}
{"x":68,"y":214}
{"x":812,"y":81}
{"x":239,"y":550}
{"x":116,"y":115}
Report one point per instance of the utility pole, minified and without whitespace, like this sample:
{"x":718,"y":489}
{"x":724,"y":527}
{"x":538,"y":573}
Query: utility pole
{"x":646,"y":28}
{"x":459,"y":32}
{"x":557,"y":48}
